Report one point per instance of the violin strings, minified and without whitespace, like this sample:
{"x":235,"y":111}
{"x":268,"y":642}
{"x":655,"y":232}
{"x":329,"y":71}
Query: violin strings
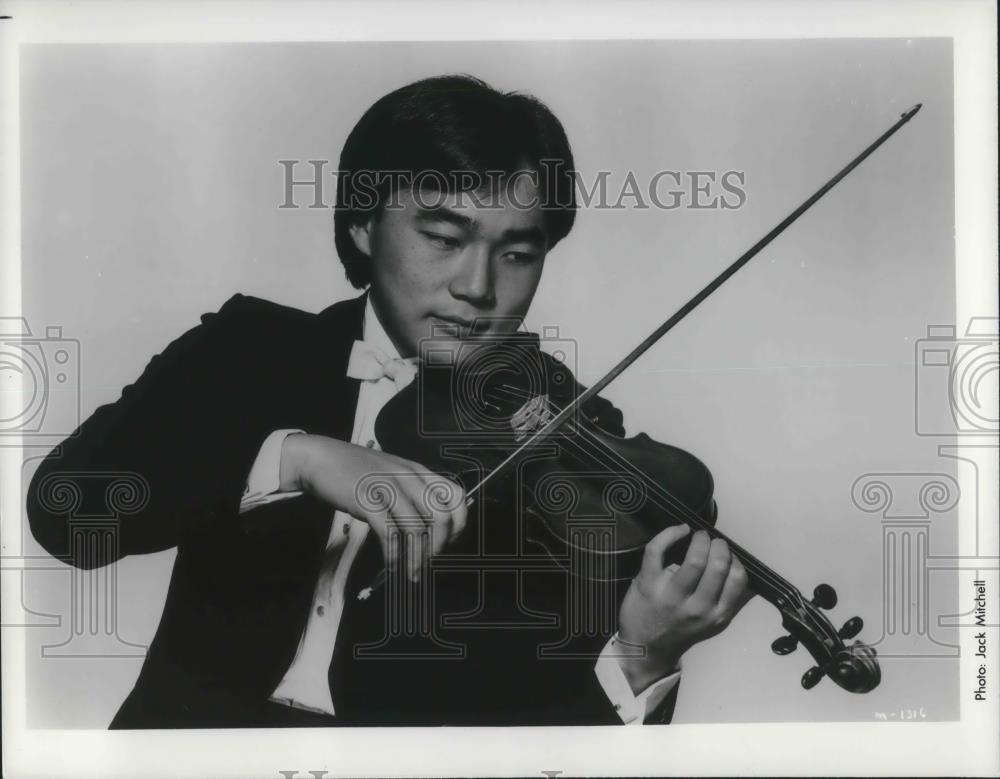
{"x":764,"y":573}
{"x":680,"y":510}
{"x":669,"y":502}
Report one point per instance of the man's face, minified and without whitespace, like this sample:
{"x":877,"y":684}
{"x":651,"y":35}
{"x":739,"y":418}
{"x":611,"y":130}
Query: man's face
{"x":443,"y":261}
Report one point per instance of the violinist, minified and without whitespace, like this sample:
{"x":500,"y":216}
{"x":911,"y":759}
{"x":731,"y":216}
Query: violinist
{"x":254,"y":429}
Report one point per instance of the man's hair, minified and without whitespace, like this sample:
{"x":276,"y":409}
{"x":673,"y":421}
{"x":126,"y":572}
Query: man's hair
{"x":450,"y":127}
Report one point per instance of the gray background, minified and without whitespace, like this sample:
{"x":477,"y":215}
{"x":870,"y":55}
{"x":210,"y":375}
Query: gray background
{"x":150,"y":193}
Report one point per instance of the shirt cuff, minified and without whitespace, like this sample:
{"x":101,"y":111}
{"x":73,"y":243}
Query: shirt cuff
{"x":633,"y":709}
{"x":264,"y":482}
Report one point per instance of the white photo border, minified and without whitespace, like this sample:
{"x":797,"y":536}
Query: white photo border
{"x":968,"y":747}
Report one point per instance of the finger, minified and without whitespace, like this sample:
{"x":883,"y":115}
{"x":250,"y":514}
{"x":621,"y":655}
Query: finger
{"x":429,"y":537}
{"x":713,"y":579}
{"x":417,"y":551}
{"x":378,"y":525}
{"x":459,"y":512}
{"x":414,"y":491}
{"x":410,"y":535}
{"x":656,"y":550}
{"x":407,"y":521}
{"x":446,"y":502}
{"x":736,"y":591}
{"x":438,"y":531}
{"x":427,"y":527}
{"x":392,"y":542}
{"x":689,"y":574}
{"x":452,"y":500}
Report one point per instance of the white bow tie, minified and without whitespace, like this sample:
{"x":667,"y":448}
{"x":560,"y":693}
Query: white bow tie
{"x":369,"y":363}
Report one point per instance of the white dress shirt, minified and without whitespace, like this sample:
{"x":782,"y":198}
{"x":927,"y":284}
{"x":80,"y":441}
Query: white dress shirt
{"x":305,"y":684}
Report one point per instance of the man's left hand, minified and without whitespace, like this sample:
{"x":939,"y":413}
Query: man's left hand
{"x":668,"y":609}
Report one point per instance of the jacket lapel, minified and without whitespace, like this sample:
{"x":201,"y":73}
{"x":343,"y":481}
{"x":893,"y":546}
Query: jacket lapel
{"x":340,"y":326}
{"x":322,"y":400}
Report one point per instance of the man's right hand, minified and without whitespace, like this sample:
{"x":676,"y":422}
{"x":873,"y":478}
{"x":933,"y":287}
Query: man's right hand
{"x":413,"y":511}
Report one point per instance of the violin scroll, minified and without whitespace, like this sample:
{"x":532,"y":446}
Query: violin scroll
{"x":851,"y":628}
{"x":853,"y":668}
{"x":824,"y":597}
{"x":856,"y":669}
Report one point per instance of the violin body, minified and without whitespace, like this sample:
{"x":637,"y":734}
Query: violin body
{"x":563,"y":504}
{"x":588,"y":482}
{"x":587,"y":495}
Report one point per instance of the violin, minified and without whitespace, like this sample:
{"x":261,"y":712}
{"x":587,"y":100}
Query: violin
{"x":504,"y":419}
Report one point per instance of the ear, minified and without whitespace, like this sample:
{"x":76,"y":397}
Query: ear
{"x":361,"y":234}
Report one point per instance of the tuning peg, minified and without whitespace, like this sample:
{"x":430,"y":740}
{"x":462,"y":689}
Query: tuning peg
{"x":811,"y":677}
{"x":784,"y":645}
{"x":851,"y":628}
{"x":824,"y":597}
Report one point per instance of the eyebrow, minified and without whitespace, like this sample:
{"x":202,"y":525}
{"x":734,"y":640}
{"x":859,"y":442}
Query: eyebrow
{"x":524,"y":235}
{"x":532,"y":234}
{"x":444,"y":214}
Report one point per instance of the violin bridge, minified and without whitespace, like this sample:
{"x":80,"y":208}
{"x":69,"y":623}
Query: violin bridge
{"x":532,"y":416}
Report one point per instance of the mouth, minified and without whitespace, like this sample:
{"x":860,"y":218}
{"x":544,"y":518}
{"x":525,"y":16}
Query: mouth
{"x":457,"y":320}
{"x":452,"y":325}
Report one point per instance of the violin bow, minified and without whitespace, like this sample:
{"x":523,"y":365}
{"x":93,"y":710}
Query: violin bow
{"x":571,"y":409}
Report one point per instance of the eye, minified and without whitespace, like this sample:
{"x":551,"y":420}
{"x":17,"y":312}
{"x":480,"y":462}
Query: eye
{"x":442,"y":241}
{"x":522,"y":258}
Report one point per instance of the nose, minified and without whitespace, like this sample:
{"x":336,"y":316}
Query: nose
{"x":473,"y":278}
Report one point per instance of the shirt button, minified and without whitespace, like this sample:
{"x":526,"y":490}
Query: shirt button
{"x":618,"y":706}
{"x":347,"y":528}
{"x":371,"y":443}
{"x":320,"y":610}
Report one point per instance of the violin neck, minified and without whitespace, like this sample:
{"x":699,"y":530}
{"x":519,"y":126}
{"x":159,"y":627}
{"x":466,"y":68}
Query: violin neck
{"x":763,"y":579}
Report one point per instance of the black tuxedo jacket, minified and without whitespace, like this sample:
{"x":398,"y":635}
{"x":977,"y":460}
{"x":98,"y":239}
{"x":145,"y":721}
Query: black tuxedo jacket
{"x":242,"y":585}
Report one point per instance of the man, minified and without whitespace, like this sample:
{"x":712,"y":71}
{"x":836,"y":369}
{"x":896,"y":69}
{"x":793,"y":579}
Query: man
{"x":255,"y":435}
